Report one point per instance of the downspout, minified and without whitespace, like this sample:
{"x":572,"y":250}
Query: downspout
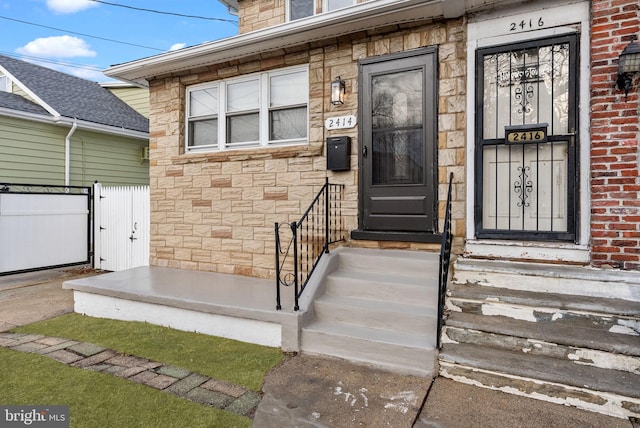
{"x":67,"y":152}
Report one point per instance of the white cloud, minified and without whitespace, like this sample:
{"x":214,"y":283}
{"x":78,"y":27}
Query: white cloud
{"x":57,"y":47}
{"x":70,"y":6}
{"x":177,"y":46}
{"x":96,"y":76}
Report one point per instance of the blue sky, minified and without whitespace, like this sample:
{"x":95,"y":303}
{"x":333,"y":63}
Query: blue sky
{"x":69,"y":35}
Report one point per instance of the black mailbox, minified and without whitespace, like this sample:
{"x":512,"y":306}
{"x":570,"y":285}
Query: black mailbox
{"x":338,"y":153}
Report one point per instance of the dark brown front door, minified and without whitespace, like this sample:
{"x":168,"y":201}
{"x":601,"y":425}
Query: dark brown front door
{"x":398,"y":141}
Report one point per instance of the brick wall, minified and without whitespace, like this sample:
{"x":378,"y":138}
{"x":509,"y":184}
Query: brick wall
{"x":615,"y":148}
{"x":216,"y":211}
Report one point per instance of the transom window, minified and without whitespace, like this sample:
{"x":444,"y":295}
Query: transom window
{"x":258,"y":110}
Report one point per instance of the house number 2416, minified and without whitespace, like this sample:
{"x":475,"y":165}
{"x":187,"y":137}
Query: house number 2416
{"x":526,"y":24}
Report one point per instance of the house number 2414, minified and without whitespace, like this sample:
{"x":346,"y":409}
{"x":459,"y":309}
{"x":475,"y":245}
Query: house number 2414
{"x":525,"y":24}
{"x":340,"y":122}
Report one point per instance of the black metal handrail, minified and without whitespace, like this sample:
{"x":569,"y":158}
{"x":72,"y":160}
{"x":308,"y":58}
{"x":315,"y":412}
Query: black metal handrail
{"x":321,"y":225}
{"x":445,"y":258}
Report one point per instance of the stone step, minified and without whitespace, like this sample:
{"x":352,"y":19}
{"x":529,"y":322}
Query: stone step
{"x":586,"y":304}
{"x":378,"y":314}
{"x":582,"y":398}
{"x":386,"y":287}
{"x":556,"y":379}
{"x":399,"y":262}
{"x":555,"y":333}
{"x":549,"y":316}
{"x":548,"y":278}
{"x":390,"y":350}
{"x":543,"y":368}
{"x":378,"y":307}
{"x":573,"y":354}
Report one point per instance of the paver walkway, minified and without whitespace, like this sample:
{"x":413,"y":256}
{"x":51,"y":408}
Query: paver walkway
{"x":174,"y":380}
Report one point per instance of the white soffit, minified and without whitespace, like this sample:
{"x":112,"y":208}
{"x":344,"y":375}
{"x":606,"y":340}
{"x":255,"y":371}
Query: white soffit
{"x":360,"y":17}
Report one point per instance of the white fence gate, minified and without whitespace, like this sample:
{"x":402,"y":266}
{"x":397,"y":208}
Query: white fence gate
{"x":43,"y":226}
{"x":121,"y":224}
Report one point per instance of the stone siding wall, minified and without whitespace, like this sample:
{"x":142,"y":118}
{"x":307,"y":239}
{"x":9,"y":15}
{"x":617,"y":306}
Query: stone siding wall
{"x":259,"y":14}
{"x":615,"y":137}
{"x":216,"y":211}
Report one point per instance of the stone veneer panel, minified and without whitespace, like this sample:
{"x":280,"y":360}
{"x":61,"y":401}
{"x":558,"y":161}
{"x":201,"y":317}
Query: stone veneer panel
{"x":216,"y":211}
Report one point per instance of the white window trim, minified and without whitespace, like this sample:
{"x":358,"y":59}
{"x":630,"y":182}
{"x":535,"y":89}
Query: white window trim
{"x":325,"y":6}
{"x":263,"y":111}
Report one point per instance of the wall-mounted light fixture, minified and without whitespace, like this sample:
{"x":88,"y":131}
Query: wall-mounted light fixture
{"x":628,"y":65}
{"x":338,"y":89}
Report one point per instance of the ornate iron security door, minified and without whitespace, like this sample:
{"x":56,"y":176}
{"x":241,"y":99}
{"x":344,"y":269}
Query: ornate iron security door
{"x":526,"y":140}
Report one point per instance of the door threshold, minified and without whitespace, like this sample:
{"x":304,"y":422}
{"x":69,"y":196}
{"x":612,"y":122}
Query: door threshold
{"x":367,"y":235}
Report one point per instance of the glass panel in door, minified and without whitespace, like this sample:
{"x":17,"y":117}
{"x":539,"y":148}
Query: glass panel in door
{"x":397,"y":128}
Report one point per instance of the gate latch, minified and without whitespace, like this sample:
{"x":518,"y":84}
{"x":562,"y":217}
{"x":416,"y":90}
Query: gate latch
{"x":133,"y":232}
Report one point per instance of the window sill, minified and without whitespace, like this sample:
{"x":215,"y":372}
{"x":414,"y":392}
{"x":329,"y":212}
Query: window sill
{"x":280,"y":152}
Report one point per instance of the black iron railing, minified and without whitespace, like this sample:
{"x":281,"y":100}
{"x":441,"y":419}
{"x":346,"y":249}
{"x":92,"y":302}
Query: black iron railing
{"x":321,"y":225}
{"x":445,"y":258}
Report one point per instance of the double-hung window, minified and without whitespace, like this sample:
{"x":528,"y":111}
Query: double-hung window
{"x":243,"y":113}
{"x":203,"y":117}
{"x":258,"y":110}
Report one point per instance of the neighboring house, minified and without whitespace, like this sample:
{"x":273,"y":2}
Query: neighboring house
{"x":134,"y":95}
{"x":517,"y":100}
{"x":58,"y":129}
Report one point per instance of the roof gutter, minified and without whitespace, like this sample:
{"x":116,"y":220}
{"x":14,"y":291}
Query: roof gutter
{"x":359,"y":17}
{"x":82,"y":124}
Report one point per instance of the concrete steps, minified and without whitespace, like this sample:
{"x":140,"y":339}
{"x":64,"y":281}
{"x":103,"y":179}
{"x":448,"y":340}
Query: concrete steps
{"x":528,"y":336}
{"x":379,"y":308}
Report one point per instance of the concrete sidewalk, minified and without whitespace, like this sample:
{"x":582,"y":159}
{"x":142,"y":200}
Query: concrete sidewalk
{"x":34,"y":296}
{"x":310,"y":391}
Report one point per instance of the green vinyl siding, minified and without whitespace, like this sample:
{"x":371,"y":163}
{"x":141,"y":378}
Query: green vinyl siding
{"x":31,"y":152}
{"x":34,"y":153}
{"x":108,"y":159}
{"x":137,"y":98}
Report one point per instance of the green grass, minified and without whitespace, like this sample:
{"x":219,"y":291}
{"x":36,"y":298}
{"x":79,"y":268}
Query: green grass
{"x":100,"y":400}
{"x":237,"y":362}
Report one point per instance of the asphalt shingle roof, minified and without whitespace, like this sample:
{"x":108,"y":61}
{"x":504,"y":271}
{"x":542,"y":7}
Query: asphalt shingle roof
{"x":20,"y":103}
{"x":70,"y":96}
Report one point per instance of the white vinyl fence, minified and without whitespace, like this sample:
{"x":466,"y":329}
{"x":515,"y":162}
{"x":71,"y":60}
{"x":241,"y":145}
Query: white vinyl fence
{"x":121,"y":222}
{"x":43,"y":227}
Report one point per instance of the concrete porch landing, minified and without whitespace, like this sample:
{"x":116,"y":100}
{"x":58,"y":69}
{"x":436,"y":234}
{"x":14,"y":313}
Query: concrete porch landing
{"x":230,"y":306}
